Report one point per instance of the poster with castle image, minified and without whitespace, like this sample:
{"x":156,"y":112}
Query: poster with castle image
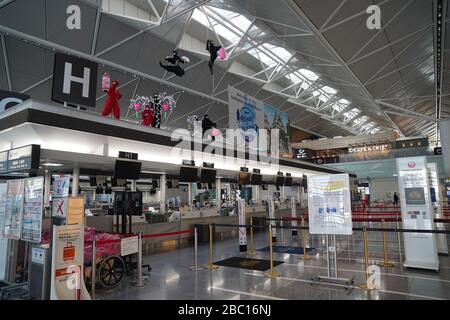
{"x":276,"y":119}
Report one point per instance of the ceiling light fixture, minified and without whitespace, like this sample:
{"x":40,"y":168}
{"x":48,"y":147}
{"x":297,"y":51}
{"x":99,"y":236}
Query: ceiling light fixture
{"x":49,"y":164}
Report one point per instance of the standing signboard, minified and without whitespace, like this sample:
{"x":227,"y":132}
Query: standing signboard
{"x":14,"y":209}
{"x":32,"y":209}
{"x":242,"y":230}
{"x":67,"y":263}
{"x":3,"y":241}
{"x":61,"y":186}
{"x":60,"y":194}
{"x":75,"y":210}
{"x":329,"y":205}
{"x":415,"y":201}
{"x":294,"y":216}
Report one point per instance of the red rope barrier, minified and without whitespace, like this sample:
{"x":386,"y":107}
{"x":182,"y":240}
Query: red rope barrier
{"x":166,"y":234}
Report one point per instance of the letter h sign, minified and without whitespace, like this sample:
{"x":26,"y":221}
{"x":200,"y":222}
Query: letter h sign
{"x":74,"y":80}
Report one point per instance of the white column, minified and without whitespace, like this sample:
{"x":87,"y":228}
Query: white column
{"x":163,"y":188}
{"x":257,"y":194}
{"x":282,"y":197}
{"x":190,"y":194}
{"x":444,"y":130}
{"x":133,"y":185}
{"x":218,"y":195}
{"x":298,"y":194}
{"x":47,"y":186}
{"x":75,"y":181}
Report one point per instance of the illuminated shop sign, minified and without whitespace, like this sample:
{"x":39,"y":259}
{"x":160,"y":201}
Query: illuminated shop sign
{"x":368,"y":148}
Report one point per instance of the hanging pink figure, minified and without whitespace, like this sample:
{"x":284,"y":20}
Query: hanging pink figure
{"x":112,"y":103}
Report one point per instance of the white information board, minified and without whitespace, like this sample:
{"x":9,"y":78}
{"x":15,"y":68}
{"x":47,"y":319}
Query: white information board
{"x":3,"y":240}
{"x":329,"y":204}
{"x":435,"y":195}
{"x":14,"y":209}
{"x":129,"y":245}
{"x":33,"y":209}
{"x":420,"y":248}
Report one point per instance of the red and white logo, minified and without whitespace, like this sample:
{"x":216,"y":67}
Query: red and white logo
{"x":411,"y":164}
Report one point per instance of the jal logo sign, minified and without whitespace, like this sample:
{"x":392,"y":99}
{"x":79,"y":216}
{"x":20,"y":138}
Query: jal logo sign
{"x":74,"y":80}
{"x":411,"y":164}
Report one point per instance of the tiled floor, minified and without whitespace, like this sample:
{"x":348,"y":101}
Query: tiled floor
{"x":171,"y":277}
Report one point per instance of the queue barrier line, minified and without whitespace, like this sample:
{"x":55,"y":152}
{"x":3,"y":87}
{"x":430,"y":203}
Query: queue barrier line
{"x":166,"y":234}
{"x":354,"y":229}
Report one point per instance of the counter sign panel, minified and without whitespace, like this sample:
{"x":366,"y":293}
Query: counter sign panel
{"x":3,"y":161}
{"x":24,"y":158}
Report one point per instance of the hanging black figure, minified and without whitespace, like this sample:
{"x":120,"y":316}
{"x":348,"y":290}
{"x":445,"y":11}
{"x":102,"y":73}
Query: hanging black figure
{"x":207,"y":124}
{"x":174,"y":62}
{"x":156,"y":109}
{"x":212,"y":49}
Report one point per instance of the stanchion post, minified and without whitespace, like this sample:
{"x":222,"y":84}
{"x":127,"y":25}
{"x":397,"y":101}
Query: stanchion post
{"x":386,"y":263}
{"x":252,"y":247}
{"x":195,"y":267}
{"x":210,"y":264}
{"x":366,"y":258}
{"x":139,"y":262}
{"x":272,"y":273}
{"x":305,"y":256}
{"x":93,"y":269}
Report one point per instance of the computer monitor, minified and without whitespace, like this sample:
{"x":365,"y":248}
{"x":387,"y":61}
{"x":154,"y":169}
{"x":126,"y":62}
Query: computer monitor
{"x":188,"y":174}
{"x":127,"y":169}
{"x":244,"y":178}
{"x":256,"y":179}
{"x":208,"y":176}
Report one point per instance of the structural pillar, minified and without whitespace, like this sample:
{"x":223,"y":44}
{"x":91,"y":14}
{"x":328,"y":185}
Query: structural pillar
{"x":47,"y":186}
{"x":75,"y":181}
{"x":190,"y":194}
{"x":218,"y":193}
{"x":163,"y":188}
{"x":444,"y":130}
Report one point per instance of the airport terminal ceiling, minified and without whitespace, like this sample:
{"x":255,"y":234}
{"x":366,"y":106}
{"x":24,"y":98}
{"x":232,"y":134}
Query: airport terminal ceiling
{"x":291,"y":54}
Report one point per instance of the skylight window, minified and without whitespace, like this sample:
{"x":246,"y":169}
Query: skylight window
{"x":352,"y":113}
{"x":360,"y":120}
{"x":308,"y":74}
{"x":329,"y":90}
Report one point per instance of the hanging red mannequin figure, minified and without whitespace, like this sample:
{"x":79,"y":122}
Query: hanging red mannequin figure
{"x":112,"y":102}
{"x":147,"y":116}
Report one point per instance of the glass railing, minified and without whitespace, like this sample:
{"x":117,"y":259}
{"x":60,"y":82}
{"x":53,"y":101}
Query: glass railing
{"x":391,"y":154}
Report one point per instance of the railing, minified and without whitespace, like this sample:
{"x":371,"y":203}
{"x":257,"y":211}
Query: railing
{"x":391,"y":154}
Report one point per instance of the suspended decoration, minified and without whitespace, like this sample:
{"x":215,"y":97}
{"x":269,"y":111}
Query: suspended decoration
{"x":191,"y":120}
{"x":222,"y":54}
{"x":174,"y":63}
{"x":112,"y":102}
{"x":213,"y":53}
{"x":137,"y":105}
{"x":106,"y":82}
{"x":168,"y":104}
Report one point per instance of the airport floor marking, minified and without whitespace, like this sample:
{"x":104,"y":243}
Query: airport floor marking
{"x":248,"y":293}
{"x":353,"y":287}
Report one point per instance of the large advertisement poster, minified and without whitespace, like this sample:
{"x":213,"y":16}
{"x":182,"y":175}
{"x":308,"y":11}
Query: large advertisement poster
{"x":32,"y":209}
{"x":329,"y":205}
{"x":276,"y":119}
{"x":246,"y":114}
{"x":14,"y":209}
{"x":415,"y":202}
{"x":3,"y":240}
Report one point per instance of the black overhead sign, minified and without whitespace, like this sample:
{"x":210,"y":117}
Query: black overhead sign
{"x":128,"y":155}
{"x":74,"y":80}
{"x":20,"y":159}
{"x":9,"y":99}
